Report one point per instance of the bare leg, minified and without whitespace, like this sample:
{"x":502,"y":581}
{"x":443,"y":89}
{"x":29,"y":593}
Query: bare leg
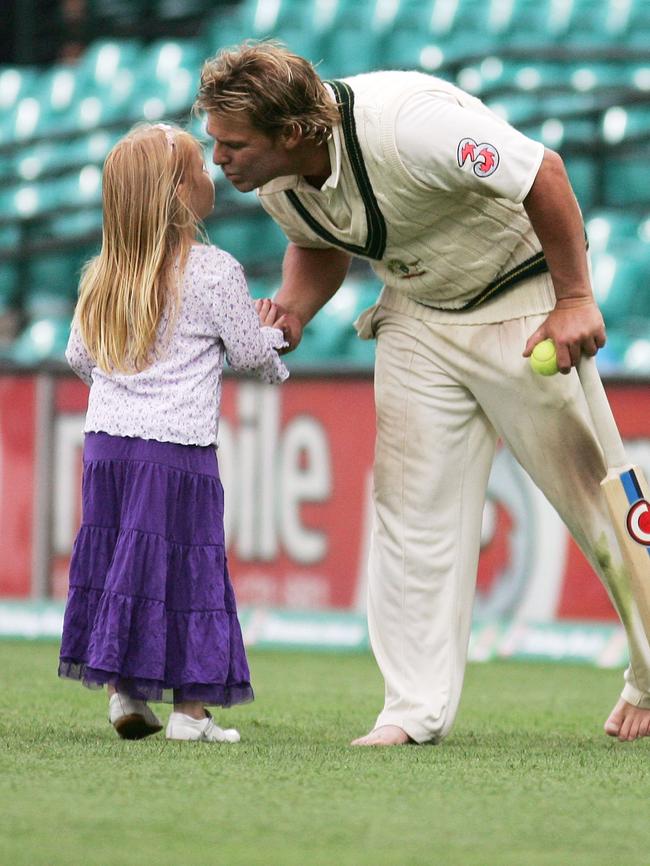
{"x":193,"y":709}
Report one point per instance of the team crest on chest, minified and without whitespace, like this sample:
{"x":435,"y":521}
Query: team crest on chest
{"x":483,"y":157}
{"x":406,"y":270}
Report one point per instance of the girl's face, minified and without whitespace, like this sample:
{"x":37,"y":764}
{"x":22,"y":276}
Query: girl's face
{"x":199,"y":186}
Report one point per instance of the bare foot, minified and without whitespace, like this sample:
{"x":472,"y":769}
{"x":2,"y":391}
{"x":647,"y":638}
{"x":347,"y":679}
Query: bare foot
{"x":386,"y":735}
{"x":628,"y":722}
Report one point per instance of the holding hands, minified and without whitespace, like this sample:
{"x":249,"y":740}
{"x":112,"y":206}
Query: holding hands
{"x":272,"y":315}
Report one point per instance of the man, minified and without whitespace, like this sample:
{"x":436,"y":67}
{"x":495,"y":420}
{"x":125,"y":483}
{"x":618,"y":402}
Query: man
{"x":478,"y":239}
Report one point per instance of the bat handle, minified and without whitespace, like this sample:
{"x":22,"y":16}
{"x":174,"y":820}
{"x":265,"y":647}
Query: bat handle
{"x":601,"y":413}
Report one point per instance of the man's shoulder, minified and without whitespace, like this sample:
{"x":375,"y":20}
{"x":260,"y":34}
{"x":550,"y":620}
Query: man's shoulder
{"x":377,"y":90}
{"x":398,"y":79}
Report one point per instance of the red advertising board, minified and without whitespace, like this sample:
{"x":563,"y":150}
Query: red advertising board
{"x":17,"y":466}
{"x":296,"y":463}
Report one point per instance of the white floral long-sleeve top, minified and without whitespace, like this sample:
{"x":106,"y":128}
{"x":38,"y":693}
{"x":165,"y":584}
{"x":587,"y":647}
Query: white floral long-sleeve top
{"x":177,"y":398}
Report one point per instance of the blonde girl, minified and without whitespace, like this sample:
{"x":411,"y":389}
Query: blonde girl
{"x":151,"y":612}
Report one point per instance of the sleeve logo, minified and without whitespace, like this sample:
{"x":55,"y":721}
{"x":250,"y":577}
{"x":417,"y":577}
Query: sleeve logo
{"x":484,"y":157}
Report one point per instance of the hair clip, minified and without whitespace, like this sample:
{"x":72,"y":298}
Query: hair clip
{"x":169,"y":133}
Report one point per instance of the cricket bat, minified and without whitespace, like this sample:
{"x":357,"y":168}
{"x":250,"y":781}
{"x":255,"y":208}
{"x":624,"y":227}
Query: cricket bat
{"x":626,"y":491}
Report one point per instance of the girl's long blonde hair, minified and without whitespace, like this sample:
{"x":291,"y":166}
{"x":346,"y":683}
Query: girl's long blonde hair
{"x":147,"y":226}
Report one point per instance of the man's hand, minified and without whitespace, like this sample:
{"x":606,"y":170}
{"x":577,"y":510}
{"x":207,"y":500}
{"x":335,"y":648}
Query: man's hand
{"x":576,"y":327}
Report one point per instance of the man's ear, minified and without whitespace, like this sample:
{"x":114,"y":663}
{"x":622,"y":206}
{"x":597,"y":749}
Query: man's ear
{"x":291,"y":136}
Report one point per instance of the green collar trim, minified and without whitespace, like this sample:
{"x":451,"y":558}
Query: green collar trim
{"x":376,"y":241}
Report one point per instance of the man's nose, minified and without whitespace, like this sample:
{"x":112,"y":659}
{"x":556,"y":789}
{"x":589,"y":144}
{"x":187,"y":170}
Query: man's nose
{"x":219,"y":155}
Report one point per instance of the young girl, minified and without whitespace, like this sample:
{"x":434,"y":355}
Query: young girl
{"x":151,"y":611}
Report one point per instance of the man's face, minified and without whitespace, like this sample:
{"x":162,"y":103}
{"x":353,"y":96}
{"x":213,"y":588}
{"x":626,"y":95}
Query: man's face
{"x":248,"y":157}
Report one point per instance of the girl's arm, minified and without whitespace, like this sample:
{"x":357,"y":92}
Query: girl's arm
{"x":250,"y":348}
{"x":77,"y":356}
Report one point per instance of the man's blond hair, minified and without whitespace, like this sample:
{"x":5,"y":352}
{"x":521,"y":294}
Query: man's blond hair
{"x":279,"y":91}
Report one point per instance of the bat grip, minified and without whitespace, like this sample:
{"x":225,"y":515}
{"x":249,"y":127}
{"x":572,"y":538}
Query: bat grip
{"x":601,"y":413}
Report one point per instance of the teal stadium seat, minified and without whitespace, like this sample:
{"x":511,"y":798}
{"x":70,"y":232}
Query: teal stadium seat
{"x":48,"y":200}
{"x":636,"y":359}
{"x":9,"y":286}
{"x":53,"y":97}
{"x":607,"y":228}
{"x":595,"y":22}
{"x":517,"y":108}
{"x":9,"y":236}
{"x":426,"y":35}
{"x":637,"y":34}
{"x":104,"y":59}
{"x":15,"y":85}
{"x":330,"y":338}
{"x":167,"y":78}
{"x":627,"y":180}
{"x":235,"y":235}
{"x":21,"y":201}
{"x":531,"y":23}
{"x":620,"y":285}
{"x":42,"y":340}
{"x":48,"y":155}
{"x":584,"y":177}
{"x":253,"y":238}
{"x":611,"y":358}
{"x":622,"y":124}
{"x":52,"y":282}
{"x":495,"y":73}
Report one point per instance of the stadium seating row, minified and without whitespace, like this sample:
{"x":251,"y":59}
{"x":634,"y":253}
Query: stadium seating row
{"x":57,"y":125}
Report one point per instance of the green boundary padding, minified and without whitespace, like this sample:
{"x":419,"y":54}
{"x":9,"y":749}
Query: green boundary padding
{"x":601,"y":644}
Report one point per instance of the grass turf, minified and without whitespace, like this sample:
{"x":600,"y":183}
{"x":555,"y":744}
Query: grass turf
{"x":526,"y":777}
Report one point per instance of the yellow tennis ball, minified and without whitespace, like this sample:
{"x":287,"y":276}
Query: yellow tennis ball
{"x":543,"y":359}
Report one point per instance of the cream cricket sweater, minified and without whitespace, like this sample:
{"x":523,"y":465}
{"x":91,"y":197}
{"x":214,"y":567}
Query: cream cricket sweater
{"x":440,"y":248}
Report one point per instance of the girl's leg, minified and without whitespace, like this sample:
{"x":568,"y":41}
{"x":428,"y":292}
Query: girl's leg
{"x":193,"y":709}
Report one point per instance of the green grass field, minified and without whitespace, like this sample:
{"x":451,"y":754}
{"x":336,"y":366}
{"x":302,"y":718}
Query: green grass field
{"x":526,"y":777}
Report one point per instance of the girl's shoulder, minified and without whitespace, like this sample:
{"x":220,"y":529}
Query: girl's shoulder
{"x":209,"y":266}
{"x":209,"y":255}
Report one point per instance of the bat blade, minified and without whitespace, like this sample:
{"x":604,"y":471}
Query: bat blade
{"x":628,"y":499}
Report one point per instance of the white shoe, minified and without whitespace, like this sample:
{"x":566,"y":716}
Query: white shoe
{"x":182,"y":727}
{"x":132,"y":719}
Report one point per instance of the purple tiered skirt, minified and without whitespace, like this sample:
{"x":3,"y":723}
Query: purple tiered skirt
{"x":150,"y":608}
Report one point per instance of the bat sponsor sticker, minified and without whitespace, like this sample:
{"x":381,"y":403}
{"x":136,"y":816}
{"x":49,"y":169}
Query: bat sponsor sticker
{"x":638,"y":522}
{"x":483,"y":157}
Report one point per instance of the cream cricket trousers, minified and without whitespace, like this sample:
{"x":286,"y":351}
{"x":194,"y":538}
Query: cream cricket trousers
{"x":444,"y":394}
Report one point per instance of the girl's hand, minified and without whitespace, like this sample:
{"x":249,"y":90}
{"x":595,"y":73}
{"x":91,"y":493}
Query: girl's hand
{"x":275,"y":316}
{"x":267,"y":311}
